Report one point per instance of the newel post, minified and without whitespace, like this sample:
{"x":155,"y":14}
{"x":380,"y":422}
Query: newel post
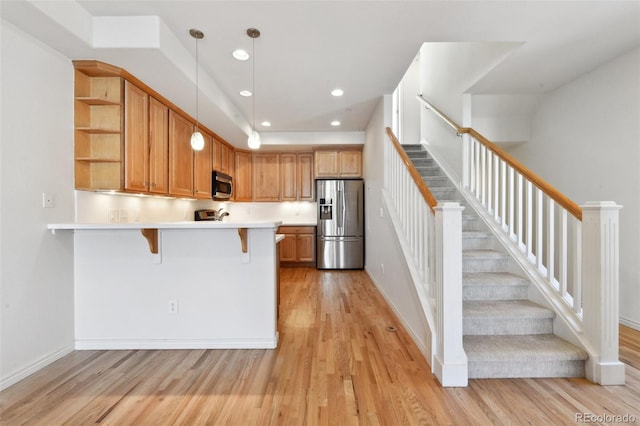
{"x":600,"y":290}
{"x":450,"y":363}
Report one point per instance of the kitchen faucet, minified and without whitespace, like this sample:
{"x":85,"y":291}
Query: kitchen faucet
{"x":220,"y":214}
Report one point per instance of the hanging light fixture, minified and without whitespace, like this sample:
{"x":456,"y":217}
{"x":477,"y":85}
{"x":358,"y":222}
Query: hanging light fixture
{"x":254,"y":137}
{"x":197,"y":141}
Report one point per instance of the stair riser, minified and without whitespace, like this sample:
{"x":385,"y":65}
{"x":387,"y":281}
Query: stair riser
{"x":495,"y":292}
{"x":506,"y":326}
{"x":484,"y":265}
{"x":525,"y":368}
{"x":423,"y":162}
{"x":435,"y":182}
{"x":471,"y":224}
{"x":472,"y":243}
{"x":430,"y":171}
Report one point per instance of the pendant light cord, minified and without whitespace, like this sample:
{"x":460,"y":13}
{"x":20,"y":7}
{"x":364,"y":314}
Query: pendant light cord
{"x":253,"y":79}
{"x":197,"y":84}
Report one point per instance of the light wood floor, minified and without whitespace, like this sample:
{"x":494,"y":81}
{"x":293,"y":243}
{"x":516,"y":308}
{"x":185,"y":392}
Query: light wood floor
{"x":336,"y":364}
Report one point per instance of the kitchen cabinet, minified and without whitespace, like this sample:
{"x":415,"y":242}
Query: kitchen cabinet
{"x":296,"y":176}
{"x":298,"y":246}
{"x":242,"y":181}
{"x":288,"y":176}
{"x":305,"y":178}
{"x":202,"y":168}
{"x":127,"y":137}
{"x":180,"y":156}
{"x":136,"y":138}
{"x":158,"y":147}
{"x":98,"y":137}
{"x":339,"y":163}
{"x":266,"y":177}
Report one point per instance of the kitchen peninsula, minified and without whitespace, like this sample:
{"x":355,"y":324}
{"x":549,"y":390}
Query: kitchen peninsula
{"x":177,"y":285}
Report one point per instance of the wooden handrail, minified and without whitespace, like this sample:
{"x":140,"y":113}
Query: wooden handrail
{"x":422,"y":186}
{"x":536,"y":180}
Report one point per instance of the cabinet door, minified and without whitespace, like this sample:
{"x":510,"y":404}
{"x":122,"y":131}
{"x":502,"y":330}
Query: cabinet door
{"x":350,"y":163}
{"x":266,"y":177}
{"x":288,"y":177}
{"x":215,"y":155}
{"x":202,"y":169}
{"x":288,"y":248}
{"x":224,"y":158}
{"x":158,"y":147}
{"x":326,"y":163}
{"x":242,"y":180}
{"x":180,"y":156}
{"x":136,"y":138}
{"x":305,"y":177}
{"x":305,"y":248}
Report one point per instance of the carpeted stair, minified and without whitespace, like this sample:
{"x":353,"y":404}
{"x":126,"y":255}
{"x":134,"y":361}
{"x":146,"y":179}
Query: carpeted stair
{"x":505,"y":334}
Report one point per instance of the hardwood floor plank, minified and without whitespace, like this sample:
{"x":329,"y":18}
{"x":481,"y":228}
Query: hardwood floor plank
{"x":337,"y":363}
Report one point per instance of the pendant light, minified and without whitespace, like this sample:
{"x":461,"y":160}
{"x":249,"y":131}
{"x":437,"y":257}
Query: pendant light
{"x":197,"y":141}
{"x":254,"y":137}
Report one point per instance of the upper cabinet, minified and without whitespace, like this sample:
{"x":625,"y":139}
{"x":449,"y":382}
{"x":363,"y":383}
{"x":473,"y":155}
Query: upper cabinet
{"x":344,"y":163}
{"x":180,"y":156}
{"x":305,"y":177}
{"x":266,"y":177}
{"x":99,"y":142}
{"x":202,"y":167}
{"x":136,"y":138}
{"x":129,"y":138}
{"x":158,"y":147}
{"x":242,"y":182}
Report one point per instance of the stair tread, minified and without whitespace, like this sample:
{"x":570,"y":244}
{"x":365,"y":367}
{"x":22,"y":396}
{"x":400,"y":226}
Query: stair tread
{"x":475,"y":234}
{"x":504,"y":309}
{"x":484,"y":254}
{"x":530,"y":347}
{"x":492,"y":278}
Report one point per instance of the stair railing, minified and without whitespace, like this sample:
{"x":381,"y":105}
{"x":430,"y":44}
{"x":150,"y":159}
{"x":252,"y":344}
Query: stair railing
{"x":430,"y":235}
{"x":573,"y":250}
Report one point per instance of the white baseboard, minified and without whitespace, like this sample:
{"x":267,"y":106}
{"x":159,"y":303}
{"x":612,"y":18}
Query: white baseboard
{"x":5,"y":382}
{"x":143,"y":344}
{"x":421,"y":346}
{"x":630,"y":323}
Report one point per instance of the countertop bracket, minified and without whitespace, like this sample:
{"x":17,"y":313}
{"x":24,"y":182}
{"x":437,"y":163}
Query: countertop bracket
{"x":242,"y":232}
{"x":151,"y":234}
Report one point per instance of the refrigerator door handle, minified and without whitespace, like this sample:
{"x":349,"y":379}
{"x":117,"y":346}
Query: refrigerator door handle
{"x":340,"y":209}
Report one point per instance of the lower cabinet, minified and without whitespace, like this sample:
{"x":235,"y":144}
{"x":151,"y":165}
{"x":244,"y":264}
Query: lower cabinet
{"x":299,"y":245}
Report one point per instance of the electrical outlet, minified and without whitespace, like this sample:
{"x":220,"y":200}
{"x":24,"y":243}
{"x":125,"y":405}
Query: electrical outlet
{"x":113,"y":215}
{"x":136,"y":215}
{"x":382,"y":268}
{"x":48,"y":201}
{"x":381,"y":212}
{"x":123,"y":215}
{"x":173,"y":307}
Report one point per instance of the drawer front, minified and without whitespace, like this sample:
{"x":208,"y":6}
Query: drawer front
{"x":296,"y":230}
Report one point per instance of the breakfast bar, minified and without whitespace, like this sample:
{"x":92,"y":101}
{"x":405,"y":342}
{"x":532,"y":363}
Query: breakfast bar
{"x":179,"y":285}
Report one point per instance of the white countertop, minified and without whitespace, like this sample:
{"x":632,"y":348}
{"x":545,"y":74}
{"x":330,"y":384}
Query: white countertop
{"x":165,"y":225}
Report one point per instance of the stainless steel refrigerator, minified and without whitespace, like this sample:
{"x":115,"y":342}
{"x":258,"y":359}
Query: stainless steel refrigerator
{"x":340,"y":232}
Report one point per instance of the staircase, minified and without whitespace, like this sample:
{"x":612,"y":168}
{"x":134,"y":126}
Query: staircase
{"x":505,"y":334}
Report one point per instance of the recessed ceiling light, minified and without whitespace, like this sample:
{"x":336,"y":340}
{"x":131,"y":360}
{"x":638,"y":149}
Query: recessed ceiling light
{"x":335,"y":123}
{"x":240,"y":54}
{"x":266,"y":124}
{"x":245,"y":93}
{"x":337,"y":92}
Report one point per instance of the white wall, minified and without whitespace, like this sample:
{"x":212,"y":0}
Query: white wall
{"x":585,"y":141}
{"x":36,"y":272}
{"x":383,"y":256}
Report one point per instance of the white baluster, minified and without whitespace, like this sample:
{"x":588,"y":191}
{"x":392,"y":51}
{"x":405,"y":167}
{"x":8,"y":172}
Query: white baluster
{"x":520,"y":214}
{"x":551,"y":242}
{"x":529,"y":218}
{"x":539,"y":232}
{"x":489,"y":183}
{"x":503,"y":195}
{"x":512,"y":196}
{"x":564,"y":259}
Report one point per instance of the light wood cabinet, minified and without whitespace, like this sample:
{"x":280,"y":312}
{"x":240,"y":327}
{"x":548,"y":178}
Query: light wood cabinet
{"x":305,"y":177}
{"x":99,"y":141}
{"x":202,"y":167}
{"x":339,"y":163}
{"x":136,"y":138}
{"x":180,"y":156}
{"x":158,"y":147}
{"x":266,"y":177}
{"x":242,"y":181}
{"x":326,"y":164}
{"x":298,"y":246}
{"x":129,"y":138}
{"x":288,"y":176}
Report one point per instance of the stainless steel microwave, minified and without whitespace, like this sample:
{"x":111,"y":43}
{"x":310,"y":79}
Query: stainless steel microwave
{"x":221,"y":186}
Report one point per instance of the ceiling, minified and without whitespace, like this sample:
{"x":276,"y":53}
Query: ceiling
{"x":308,"y":48}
